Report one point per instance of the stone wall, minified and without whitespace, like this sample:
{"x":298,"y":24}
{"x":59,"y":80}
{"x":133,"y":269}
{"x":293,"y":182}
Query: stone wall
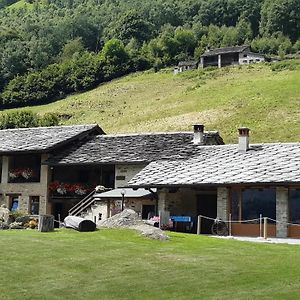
{"x":222,"y":203}
{"x":178,"y":202}
{"x":282,"y":195}
{"x":25,"y":191}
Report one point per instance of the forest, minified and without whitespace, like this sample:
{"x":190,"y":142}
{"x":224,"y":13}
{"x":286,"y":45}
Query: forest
{"x":52,"y":48}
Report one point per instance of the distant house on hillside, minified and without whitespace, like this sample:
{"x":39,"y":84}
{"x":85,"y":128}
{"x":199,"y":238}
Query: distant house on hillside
{"x":185,"y":66}
{"x":238,"y":55}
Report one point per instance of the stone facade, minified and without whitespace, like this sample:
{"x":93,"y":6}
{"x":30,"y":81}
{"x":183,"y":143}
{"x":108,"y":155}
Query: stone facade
{"x":24,"y":191}
{"x":178,"y":202}
{"x":222,"y":203}
{"x":282,"y":195}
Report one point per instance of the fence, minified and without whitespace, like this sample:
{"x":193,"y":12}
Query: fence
{"x":266,"y":226}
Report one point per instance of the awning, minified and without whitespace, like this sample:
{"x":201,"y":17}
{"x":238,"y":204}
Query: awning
{"x":128,"y":193}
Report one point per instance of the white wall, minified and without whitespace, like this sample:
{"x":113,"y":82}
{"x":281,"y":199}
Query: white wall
{"x":250,"y":58}
{"x":123,"y":173}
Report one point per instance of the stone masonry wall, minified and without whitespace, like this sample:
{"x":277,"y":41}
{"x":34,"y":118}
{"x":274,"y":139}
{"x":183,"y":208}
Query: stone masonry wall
{"x":222,"y":203}
{"x":282,"y":195}
{"x":26,"y":190}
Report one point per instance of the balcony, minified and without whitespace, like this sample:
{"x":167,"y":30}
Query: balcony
{"x":23,"y":175}
{"x":24,"y":169}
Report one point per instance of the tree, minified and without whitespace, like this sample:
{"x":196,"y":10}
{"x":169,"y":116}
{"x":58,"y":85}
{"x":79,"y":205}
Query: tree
{"x":115,"y":58}
{"x":70,"y":48}
{"x":282,"y":16}
{"x":132,"y":25}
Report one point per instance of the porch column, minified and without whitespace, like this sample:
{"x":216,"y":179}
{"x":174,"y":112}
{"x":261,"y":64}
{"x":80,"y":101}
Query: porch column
{"x":5,"y":167}
{"x":219,"y":61}
{"x":45,"y":206}
{"x":201,"y":65}
{"x":282,"y":195}
{"x":162,"y":199}
{"x":222,"y":203}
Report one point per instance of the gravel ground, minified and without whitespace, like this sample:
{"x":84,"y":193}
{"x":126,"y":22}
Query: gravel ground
{"x":261,"y":240}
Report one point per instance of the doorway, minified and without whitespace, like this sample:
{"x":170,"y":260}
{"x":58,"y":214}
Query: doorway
{"x":207,"y":206}
{"x":148,"y":211}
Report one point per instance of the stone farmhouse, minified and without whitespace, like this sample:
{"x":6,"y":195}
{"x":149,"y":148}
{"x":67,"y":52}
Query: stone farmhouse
{"x":55,"y":171}
{"x":185,"y":66}
{"x":221,"y":57}
{"x":240,"y":180}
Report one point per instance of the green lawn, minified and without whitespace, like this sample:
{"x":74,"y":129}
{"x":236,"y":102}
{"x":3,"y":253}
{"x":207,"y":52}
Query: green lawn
{"x":255,"y":96}
{"x":119,"y":264}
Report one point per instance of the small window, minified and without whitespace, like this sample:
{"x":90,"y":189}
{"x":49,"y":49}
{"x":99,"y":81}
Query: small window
{"x":251,"y":60}
{"x":245,"y":55}
{"x":34,"y":207}
{"x":245,"y":61}
{"x":257,"y":59}
{"x":14,"y":203}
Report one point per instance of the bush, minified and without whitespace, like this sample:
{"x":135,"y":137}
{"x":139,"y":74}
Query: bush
{"x":49,"y":119}
{"x":286,"y":65}
{"x":19,"y":119}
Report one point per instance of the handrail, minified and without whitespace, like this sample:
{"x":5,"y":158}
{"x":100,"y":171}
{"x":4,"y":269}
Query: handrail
{"x":82,"y":202}
{"x":86,"y":205}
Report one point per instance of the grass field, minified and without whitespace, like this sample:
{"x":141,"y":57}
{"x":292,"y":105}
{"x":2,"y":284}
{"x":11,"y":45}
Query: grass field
{"x":255,"y":96}
{"x":118,"y":264}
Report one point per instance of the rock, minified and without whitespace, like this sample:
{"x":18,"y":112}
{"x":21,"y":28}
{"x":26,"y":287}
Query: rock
{"x":16,"y":225}
{"x":4,"y":226}
{"x":128,"y":218}
{"x":151,"y":232}
{"x":4,"y":213}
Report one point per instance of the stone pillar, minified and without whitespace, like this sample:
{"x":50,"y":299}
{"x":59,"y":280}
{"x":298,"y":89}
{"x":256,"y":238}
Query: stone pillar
{"x":201,"y":65}
{"x":162,"y":199}
{"x":5,"y":167}
{"x":282,"y":195}
{"x":45,"y":206}
{"x":219,"y":61}
{"x":222,"y":203}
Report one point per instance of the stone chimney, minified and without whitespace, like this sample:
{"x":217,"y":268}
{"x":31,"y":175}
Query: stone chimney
{"x":244,"y":139}
{"x":198,"y":134}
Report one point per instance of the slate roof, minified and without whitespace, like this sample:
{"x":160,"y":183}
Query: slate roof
{"x":225,"y":164}
{"x":41,"y":139}
{"x":187,"y":63}
{"x":217,"y":51}
{"x":132,"y":148}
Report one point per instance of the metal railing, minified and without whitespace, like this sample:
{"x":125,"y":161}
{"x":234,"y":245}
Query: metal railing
{"x":82,"y":205}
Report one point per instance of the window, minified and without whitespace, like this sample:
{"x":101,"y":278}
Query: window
{"x":294,"y":205}
{"x":250,"y":203}
{"x":245,"y":61}
{"x":14,"y":203}
{"x":257,"y":59}
{"x":34,"y":206}
{"x":245,"y":55}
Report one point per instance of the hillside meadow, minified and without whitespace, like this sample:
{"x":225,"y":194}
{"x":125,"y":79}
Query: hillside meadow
{"x":255,"y":96}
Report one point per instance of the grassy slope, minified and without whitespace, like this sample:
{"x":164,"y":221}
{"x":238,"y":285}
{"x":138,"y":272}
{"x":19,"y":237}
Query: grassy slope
{"x":114,"y":264}
{"x":266,"y":101}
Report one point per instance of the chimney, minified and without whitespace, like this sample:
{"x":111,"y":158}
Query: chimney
{"x":244,"y":139}
{"x":198,"y":134}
